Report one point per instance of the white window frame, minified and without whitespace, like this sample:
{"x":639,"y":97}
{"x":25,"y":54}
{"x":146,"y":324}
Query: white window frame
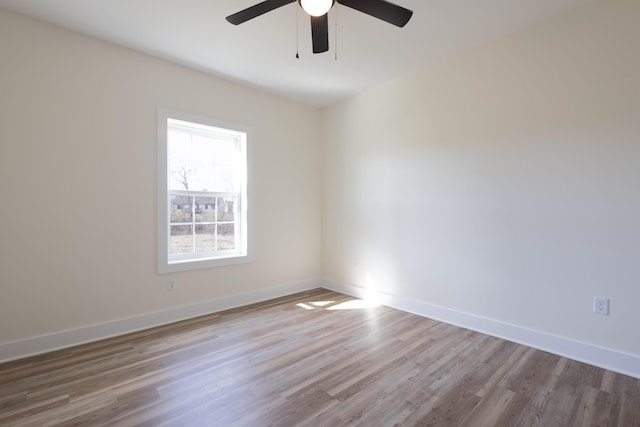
{"x":243,"y":254}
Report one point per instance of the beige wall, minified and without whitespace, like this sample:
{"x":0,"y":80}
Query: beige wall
{"x":503,"y":183}
{"x":78,"y":182}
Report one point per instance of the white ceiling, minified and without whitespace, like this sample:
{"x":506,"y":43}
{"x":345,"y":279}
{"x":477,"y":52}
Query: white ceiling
{"x":261,"y":52}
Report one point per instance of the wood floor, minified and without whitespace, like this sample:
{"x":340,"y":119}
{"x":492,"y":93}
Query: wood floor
{"x":312,"y":359}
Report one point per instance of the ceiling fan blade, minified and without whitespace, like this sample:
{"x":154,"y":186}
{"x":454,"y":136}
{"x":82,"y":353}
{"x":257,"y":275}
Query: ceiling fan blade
{"x":381,"y":9}
{"x":320,"y":33}
{"x":256,"y":10}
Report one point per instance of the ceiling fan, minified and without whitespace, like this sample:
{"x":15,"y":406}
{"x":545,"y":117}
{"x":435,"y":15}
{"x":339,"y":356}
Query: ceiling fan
{"x":318,"y":10}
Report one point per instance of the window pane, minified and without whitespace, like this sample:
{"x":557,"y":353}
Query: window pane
{"x":180,"y":209}
{"x":226,"y":209}
{"x":205,"y":209}
{"x":205,"y":238}
{"x":226,"y":237}
{"x":225,"y":152}
{"x":180,"y":168}
{"x":203,"y":150}
{"x":201,"y":163}
{"x":226,"y":166}
{"x":225,"y":178}
{"x":181,"y":239}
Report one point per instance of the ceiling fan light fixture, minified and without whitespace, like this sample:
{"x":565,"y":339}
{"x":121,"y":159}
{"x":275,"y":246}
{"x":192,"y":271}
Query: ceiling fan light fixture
{"x":319,"y":13}
{"x":316,"y":7}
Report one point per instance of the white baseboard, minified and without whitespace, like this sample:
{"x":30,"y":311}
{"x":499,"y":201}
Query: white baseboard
{"x":612,"y":360}
{"x":623,"y":363}
{"x":69,"y":338}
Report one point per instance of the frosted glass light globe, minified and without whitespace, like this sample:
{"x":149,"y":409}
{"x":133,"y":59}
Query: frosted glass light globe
{"x":316,"y":7}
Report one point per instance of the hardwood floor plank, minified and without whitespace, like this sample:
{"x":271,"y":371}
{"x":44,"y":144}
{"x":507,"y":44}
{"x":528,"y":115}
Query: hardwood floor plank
{"x":548,"y":408}
{"x":532,"y":370}
{"x":19,"y":414}
{"x":597,"y":407}
{"x":303,"y":406}
{"x":629,"y":410}
{"x":490,"y":408}
{"x":423,"y":404}
{"x":317,"y":358}
{"x":576,"y":376}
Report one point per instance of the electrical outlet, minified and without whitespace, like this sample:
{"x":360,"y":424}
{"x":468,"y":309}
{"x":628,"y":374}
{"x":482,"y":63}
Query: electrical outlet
{"x":601,"y":305}
{"x":172,"y":284}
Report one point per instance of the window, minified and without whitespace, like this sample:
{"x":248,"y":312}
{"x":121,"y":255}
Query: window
{"x":202,"y":193}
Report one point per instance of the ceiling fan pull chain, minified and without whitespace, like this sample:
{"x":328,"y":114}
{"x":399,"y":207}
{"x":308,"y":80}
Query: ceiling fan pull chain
{"x":297,"y":33}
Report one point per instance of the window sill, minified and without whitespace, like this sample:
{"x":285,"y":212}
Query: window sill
{"x":198,"y":264}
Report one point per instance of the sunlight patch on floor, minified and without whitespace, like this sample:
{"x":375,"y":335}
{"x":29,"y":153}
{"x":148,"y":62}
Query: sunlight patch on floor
{"x":354,"y":304}
{"x":321,"y":303}
{"x":305,"y":306}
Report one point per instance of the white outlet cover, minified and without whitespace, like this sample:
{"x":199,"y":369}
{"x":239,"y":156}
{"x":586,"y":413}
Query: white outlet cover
{"x":601,"y":305}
